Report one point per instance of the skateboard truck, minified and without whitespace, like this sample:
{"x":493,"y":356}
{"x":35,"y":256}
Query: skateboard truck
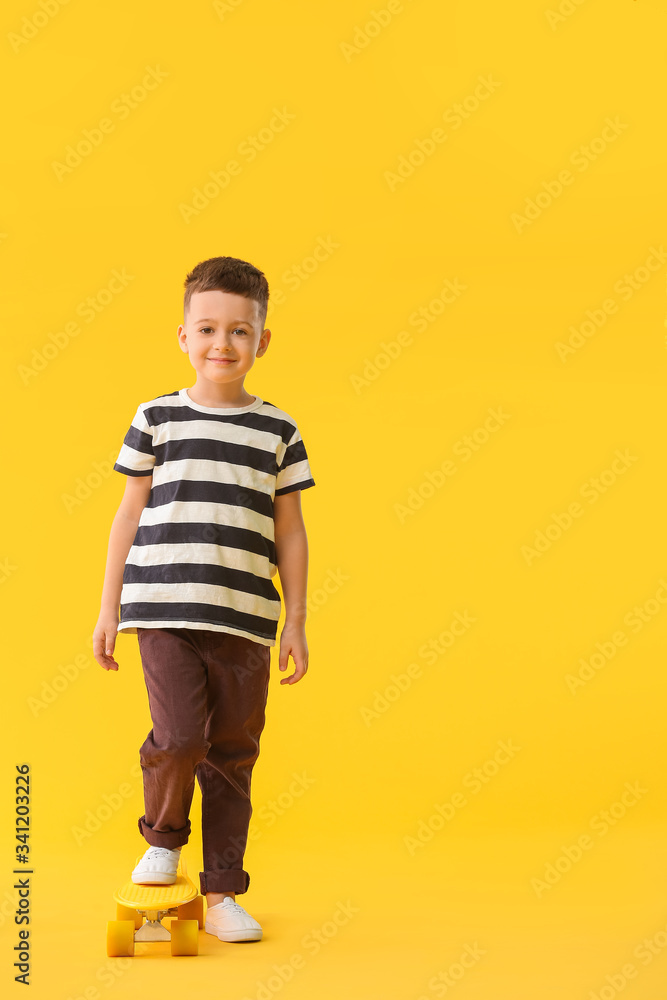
{"x":153,"y":929}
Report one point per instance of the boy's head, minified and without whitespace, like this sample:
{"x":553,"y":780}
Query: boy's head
{"x":228,"y":274}
{"x":224,"y":311}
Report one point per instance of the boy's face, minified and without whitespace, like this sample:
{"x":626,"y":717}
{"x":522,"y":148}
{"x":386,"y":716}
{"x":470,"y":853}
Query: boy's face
{"x":221,"y":325}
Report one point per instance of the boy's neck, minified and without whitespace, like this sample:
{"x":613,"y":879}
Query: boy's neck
{"x":220,"y":395}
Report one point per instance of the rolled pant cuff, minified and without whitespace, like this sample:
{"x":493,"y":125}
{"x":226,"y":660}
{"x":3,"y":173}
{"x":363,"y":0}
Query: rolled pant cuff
{"x":224,"y":880}
{"x":172,"y":839}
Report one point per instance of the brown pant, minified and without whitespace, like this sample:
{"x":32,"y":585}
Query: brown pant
{"x":207,"y":693}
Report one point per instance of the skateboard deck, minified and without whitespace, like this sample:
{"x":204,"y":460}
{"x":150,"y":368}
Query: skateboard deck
{"x":140,"y":910}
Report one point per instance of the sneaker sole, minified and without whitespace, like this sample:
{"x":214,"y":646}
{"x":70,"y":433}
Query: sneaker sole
{"x":154,"y":878}
{"x":247,"y":935}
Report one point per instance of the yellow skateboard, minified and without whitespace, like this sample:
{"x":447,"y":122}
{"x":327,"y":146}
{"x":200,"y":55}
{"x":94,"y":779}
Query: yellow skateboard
{"x":180,"y":900}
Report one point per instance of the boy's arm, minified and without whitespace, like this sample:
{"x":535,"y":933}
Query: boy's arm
{"x":123,"y":531}
{"x":292,"y":560}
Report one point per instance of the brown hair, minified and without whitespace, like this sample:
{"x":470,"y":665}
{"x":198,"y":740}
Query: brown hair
{"x":228,"y":274}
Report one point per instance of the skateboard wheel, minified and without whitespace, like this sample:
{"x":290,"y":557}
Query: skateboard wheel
{"x":127,"y":913}
{"x":194,"y":910}
{"x":120,"y":938}
{"x":184,"y":937}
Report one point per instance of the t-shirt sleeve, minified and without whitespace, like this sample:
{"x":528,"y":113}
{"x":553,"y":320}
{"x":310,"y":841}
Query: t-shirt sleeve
{"x":136,"y":456}
{"x":294,"y":471}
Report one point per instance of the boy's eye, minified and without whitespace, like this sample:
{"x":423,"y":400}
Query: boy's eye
{"x":238,"y":329}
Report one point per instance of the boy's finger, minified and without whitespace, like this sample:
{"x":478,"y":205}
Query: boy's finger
{"x":110,"y":663}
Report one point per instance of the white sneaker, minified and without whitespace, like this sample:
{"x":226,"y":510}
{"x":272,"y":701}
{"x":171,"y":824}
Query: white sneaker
{"x":230,"y":922}
{"x":158,"y":866}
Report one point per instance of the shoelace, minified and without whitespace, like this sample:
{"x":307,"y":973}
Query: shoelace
{"x":158,"y":852}
{"x":232,"y":902}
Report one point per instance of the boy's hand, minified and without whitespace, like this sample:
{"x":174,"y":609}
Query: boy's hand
{"x":293,"y":640}
{"x":104,"y":640}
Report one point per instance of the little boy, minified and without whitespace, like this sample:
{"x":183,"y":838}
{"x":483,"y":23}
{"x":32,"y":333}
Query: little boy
{"x":211,"y":511}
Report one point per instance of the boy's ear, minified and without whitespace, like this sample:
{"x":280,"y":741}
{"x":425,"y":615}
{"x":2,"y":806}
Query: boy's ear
{"x":266,"y":337}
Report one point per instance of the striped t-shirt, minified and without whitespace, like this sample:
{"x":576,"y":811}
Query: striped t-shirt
{"x":204,"y":552}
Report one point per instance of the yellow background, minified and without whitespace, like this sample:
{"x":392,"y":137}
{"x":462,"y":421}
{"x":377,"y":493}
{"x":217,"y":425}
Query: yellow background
{"x":383,"y":583}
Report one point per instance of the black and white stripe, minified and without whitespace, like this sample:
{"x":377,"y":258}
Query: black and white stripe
{"x":204,"y":553}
